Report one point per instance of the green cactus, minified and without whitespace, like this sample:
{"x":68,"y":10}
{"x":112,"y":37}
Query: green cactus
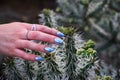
{"x":103,"y":78}
{"x":99,"y":20}
{"x":68,"y":62}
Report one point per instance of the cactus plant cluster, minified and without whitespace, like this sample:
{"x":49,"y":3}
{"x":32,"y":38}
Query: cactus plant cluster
{"x":74,"y":60}
{"x":63,"y":64}
{"x":98,"y":20}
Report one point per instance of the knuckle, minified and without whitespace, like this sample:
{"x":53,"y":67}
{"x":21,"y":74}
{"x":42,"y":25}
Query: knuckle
{"x":34,"y":35}
{"x":26,"y":44}
{"x":28,"y":57}
{"x":12,"y":51}
{"x":40,"y":47}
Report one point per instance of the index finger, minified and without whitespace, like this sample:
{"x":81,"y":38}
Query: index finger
{"x":44,"y":29}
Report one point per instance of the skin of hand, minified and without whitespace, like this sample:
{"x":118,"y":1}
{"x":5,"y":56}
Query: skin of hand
{"x":13,"y":40}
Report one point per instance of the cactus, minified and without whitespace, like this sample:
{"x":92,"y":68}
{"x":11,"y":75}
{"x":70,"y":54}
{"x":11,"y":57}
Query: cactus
{"x":68,"y":62}
{"x":103,"y":78}
{"x":99,"y":20}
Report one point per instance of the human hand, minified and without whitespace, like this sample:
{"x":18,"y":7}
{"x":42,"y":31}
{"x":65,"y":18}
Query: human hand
{"x":16,"y":36}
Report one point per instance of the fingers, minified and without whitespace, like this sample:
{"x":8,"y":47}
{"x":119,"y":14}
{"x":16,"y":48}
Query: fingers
{"x":48,"y":30}
{"x":33,"y":46}
{"x":44,"y":29}
{"x":36,"y":35}
{"x":20,"y":44}
{"x":27,"y":56}
{"x":36,"y":32}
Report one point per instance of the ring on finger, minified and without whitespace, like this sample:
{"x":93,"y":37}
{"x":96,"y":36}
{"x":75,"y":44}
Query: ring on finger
{"x":34,"y":27}
{"x":27,"y":34}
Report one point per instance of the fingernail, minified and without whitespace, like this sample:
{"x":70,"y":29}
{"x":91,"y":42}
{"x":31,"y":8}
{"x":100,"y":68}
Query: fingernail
{"x":58,"y":41}
{"x":38,"y":58}
{"x":48,"y":49}
{"x":60,"y":34}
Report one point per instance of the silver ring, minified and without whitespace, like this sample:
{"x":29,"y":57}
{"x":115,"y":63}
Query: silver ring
{"x":34,"y":27}
{"x":27,"y":34}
